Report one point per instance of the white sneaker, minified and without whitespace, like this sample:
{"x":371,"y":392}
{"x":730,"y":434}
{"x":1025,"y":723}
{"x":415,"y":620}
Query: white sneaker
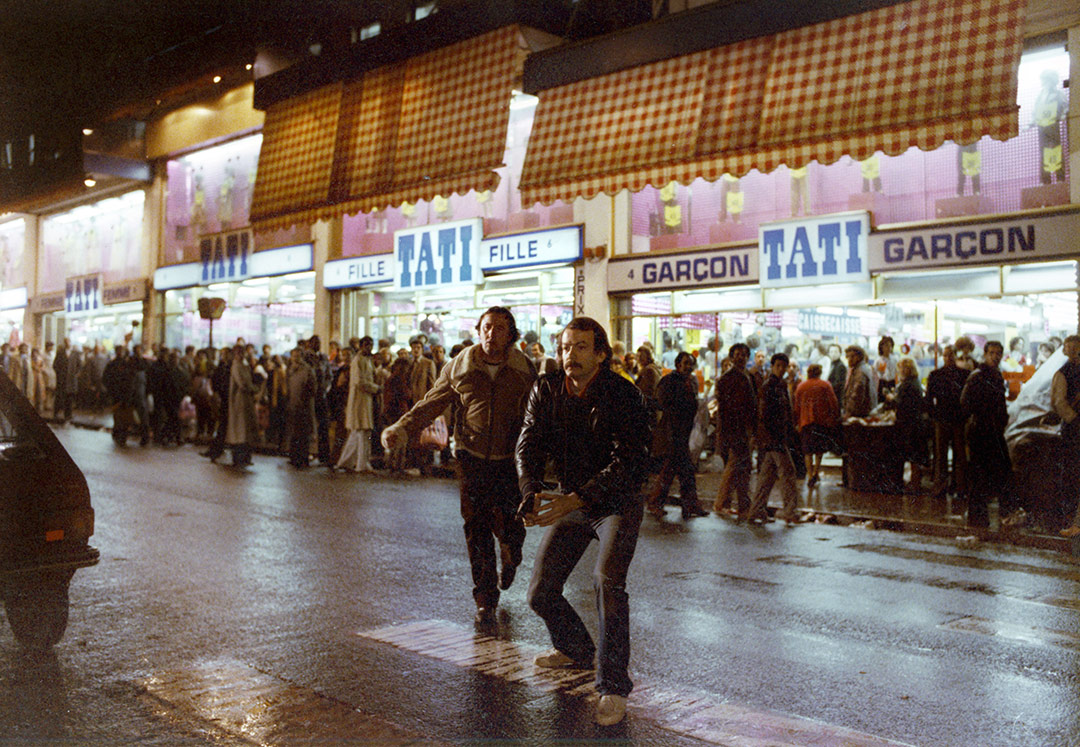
{"x":555,"y":659}
{"x":610,"y":710}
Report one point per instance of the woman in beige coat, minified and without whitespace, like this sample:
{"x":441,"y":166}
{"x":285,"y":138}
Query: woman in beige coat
{"x":359,"y":418}
{"x":242,"y":426}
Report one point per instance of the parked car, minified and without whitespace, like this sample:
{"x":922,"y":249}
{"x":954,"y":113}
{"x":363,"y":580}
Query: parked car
{"x":45,"y":522}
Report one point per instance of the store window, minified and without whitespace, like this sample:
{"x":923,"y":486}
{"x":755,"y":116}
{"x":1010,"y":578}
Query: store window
{"x":541,"y":301}
{"x":276,"y":311}
{"x":104,"y":237}
{"x":12,"y":247}
{"x":501,"y":209}
{"x":1029,"y":170}
{"x":1029,"y":308}
{"x":209,"y":191}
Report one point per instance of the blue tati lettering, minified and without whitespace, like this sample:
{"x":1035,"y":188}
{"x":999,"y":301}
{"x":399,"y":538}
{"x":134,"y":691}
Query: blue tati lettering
{"x":447,"y":237}
{"x":828,"y":240}
{"x":853,"y":229}
{"x":405,"y":250}
{"x":465,"y":274}
{"x":801,"y":246}
{"x":425,"y":262}
{"x":773,"y":239}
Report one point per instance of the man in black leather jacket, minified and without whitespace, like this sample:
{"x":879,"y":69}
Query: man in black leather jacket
{"x":593,"y":426}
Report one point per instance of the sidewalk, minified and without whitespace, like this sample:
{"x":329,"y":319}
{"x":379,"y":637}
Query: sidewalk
{"x":832,"y":503}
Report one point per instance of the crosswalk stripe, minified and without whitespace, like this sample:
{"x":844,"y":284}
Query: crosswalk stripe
{"x":694,"y":714}
{"x":238,"y":701}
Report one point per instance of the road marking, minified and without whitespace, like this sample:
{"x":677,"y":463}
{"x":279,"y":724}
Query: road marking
{"x":698,"y":715}
{"x":238,"y":701}
{"x":1014,"y":632}
{"x":935,"y":582}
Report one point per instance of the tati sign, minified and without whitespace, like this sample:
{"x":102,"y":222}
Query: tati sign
{"x":814,"y":251}
{"x":443,"y":254}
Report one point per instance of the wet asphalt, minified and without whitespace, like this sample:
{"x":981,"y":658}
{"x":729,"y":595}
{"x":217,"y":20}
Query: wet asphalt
{"x":250,"y":607}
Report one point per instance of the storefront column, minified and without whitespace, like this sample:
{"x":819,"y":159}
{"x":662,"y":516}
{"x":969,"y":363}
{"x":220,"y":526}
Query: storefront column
{"x":324,"y":234}
{"x":152,"y":256}
{"x":607,"y":225}
{"x":1073,"y":118}
{"x":32,"y":332}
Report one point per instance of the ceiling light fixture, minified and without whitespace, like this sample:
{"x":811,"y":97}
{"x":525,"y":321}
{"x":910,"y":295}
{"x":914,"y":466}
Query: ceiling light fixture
{"x":89,"y":181}
{"x":217,"y":78}
{"x":87,"y":131}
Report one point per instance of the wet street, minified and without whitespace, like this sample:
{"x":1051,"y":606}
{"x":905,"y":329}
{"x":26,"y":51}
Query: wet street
{"x":273,"y":607}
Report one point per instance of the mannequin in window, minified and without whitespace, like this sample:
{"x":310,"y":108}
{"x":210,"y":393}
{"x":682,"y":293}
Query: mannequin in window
{"x":1050,"y":107}
{"x":968,"y":165}
{"x":871,"y":173}
{"x":672,"y":210}
{"x":731,"y":198}
{"x":800,"y":192}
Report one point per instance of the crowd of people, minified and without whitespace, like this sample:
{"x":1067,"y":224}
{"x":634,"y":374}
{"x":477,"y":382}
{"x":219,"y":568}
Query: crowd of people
{"x":595,"y":419}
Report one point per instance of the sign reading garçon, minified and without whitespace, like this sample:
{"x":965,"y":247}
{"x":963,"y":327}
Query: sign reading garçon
{"x":814,"y":251}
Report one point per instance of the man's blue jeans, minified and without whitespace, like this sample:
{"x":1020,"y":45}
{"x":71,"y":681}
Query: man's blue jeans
{"x":560,"y":550}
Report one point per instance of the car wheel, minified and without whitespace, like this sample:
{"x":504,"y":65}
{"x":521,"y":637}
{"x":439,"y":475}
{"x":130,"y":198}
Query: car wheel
{"x":37,"y":608}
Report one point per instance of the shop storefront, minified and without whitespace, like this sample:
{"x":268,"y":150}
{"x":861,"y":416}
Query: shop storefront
{"x":439,"y":280}
{"x":269,"y":295}
{"x":92,"y":272}
{"x":13,"y":295}
{"x":810,"y":284}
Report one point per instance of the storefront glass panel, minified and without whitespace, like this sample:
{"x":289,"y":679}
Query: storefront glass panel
{"x":209,"y":191}
{"x":542,"y":302}
{"x":1028,"y":308}
{"x":104,"y":237}
{"x":989,"y":177}
{"x":277,"y":311}
{"x":113,"y":325}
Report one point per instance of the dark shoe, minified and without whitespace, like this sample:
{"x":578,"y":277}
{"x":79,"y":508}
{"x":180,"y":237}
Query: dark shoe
{"x":812,"y":482}
{"x":693,"y":512}
{"x":655,"y":510}
{"x":506,"y":576}
{"x":484,"y":615}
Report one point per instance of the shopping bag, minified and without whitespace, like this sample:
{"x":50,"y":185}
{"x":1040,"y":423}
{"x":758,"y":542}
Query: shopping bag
{"x":436,"y":436}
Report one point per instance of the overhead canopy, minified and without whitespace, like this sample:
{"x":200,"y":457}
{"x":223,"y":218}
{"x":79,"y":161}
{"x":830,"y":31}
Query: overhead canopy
{"x":433,"y":125}
{"x":913,"y":74}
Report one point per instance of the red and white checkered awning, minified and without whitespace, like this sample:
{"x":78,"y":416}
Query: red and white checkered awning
{"x":913,"y":74}
{"x":433,"y":125}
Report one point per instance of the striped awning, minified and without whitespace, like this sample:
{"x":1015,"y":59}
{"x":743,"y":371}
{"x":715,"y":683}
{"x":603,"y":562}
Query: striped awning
{"x":433,"y":125}
{"x":912,"y":74}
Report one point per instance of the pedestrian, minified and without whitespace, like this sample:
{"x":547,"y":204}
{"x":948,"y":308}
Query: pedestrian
{"x":421,"y":380}
{"x":677,"y":396}
{"x":817,"y":418}
{"x":157,"y":375}
{"x":736,"y":422}
{"x":486,"y":387}
{"x":775,"y":434}
{"x":242,"y":427}
{"x":983,"y":404}
{"x":648,"y":376}
{"x":860,"y":389}
{"x":837,"y":371}
{"x":49,"y":373}
{"x":943,"y":388}
{"x":911,"y":433}
{"x":337,"y":399}
{"x":300,"y":408}
{"x":277,"y":399}
{"x":74,"y":377}
{"x":885,"y":367}
{"x":174,"y":388}
{"x":395,"y":404}
{"x":219,"y":382}
{"x":359,"y":417}
{"x":118,"y":380}
{"x":139,"y":401}
{"x":62,"y":403}
{"x":320,"y":365}
{"x":1065,"y":399}
{"x":594,"y":428}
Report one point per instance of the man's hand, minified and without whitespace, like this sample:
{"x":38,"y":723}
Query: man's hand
{"x":550,"y":507}
{"x":394,"y":440}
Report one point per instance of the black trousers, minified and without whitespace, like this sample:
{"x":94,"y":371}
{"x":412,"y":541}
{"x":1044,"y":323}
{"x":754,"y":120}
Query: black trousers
{"x":489,"y":503}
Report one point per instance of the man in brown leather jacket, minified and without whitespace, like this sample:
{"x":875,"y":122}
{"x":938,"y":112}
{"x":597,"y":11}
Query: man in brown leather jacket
{"x":487,"y":384}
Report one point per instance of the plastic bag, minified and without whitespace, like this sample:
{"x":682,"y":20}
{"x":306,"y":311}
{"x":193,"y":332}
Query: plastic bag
{"x":436,"y":436}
